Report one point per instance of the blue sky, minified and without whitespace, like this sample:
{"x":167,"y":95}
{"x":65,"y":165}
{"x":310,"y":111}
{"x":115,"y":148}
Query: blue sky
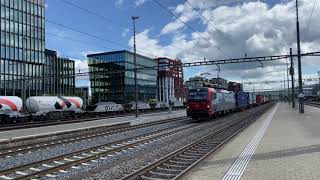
{"x":259,"y":28}
{"x":151,"y":16}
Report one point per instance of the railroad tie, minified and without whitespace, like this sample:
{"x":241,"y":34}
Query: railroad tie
{"x":6,"y":177}
{"x":21,"y":173}
{"x":35,"y":169}
{"x":161,"y":175}
{"x":162,"y":169}
{"x":47,"y":165}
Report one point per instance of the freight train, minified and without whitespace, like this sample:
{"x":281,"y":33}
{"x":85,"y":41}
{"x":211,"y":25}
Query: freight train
{"x":208,"y":102}
{"x":38,"y":108}
{"x":57,"y":107}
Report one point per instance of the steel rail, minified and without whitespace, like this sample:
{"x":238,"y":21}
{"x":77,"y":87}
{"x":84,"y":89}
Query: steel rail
{"x":76,"y":158}
{"x":78,"y":137}
{"x":76,"y":120}
{"x":200,"y":146}
{"x":313,"y":104}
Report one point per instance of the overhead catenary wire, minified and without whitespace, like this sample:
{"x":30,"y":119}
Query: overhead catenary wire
{"x":310,"y":17}
{"x":96,"y":14}
{"x":77,"y":40}
{"x":119,"y":25}
{"x":209,"y":22}
{"x":191,"y":28}
{"x":95,"y":36}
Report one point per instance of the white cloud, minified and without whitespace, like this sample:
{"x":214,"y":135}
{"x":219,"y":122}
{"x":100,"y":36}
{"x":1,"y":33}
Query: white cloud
{"x":119,"y":2}
{"x":140,"y":2}
{"x":185,"y":13}
{"x":254,"y":28}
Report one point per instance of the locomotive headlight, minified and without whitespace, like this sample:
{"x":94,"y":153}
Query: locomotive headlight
{"x":208,"y":107}
{"x":187,"y":107}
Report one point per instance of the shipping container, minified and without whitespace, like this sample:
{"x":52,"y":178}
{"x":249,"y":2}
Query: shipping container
{"x":260,"y":99}
{"x":252,"y":99}
{"x":242,"y":100}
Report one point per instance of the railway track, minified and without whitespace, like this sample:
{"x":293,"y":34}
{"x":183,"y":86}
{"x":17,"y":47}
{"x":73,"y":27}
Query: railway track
{"x":75,"y":137}
{"x":24,"y":125}
{"x":314,"y":104}
{"x":84,"y":157}
{"x":181,"y":161}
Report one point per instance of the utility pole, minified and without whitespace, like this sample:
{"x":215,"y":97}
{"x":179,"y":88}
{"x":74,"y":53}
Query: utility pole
{"x":288,"y":81}
{"x":301,"y":95}
{"x":319,"y":79}
{"x":134,"y":18}
{"x":292,"y":80}
{"x":284,"y":87}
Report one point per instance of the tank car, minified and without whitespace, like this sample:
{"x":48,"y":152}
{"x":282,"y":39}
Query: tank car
{"x":162,"y":105}
{"x":10,"y":107}
{"x":108,"y":107}
{"x":177,"y":104}
{"x":53,"y":107}
{"x":209,"y":102}
{"x":142,"y":106}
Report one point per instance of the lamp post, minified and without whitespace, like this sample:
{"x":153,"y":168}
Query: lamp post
{"x":284,"y":87}
{"x":288,"y":81}
{"x":319,"y":78}
{"x":293,"y":96}
{"x":134,"y":18}
{"x":301,"y":95}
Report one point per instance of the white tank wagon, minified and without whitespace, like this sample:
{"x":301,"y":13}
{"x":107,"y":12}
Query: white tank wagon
{"x":10,"y":107}
{"x":142,"y":106}
{"x":162,"y":105}
{"x":50,"y":106}
{"x":177,"y":104}
{"x":10,"y":104}
{"x":107,"y":107}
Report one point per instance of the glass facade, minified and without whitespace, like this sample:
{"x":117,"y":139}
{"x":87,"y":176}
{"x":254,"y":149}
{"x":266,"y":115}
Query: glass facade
{"x":22,"y":46}
{"x":61,"y":75}
{"x":112,"y":77}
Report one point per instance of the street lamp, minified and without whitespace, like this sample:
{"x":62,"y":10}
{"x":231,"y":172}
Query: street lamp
{"x":284,"y":86}
{"x":134,"y":18}
{"x":319,"y":78}
{"x":288,"y":81}
{"x":301,"y":95}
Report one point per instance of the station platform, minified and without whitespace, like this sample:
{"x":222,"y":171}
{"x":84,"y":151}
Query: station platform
{"x":281,"y":145}
{"x":55,"y":129}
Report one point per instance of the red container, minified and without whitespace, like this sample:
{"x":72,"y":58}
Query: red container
{"x":260,"y":99}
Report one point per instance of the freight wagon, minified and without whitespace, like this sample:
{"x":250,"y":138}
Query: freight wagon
{"x":38,"y":108}
{"x":242,"y":100}
{"x":252,"y":100}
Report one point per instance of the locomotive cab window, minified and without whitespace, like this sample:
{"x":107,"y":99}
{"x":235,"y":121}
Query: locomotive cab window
{"x":198,"y":95}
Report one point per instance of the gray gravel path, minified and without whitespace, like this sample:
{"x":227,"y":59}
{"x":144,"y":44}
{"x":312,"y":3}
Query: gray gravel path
{"x":42,"y":154}
{"x":117,"y":166}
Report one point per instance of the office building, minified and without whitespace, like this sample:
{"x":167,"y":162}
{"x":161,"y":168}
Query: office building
{"x":22,"y":46}
{"x":220,"y":83}
{"x":170,"y":80}
{"x":197,"y":82}
{"x":59,"y":75}
{"x":112,"y":77}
